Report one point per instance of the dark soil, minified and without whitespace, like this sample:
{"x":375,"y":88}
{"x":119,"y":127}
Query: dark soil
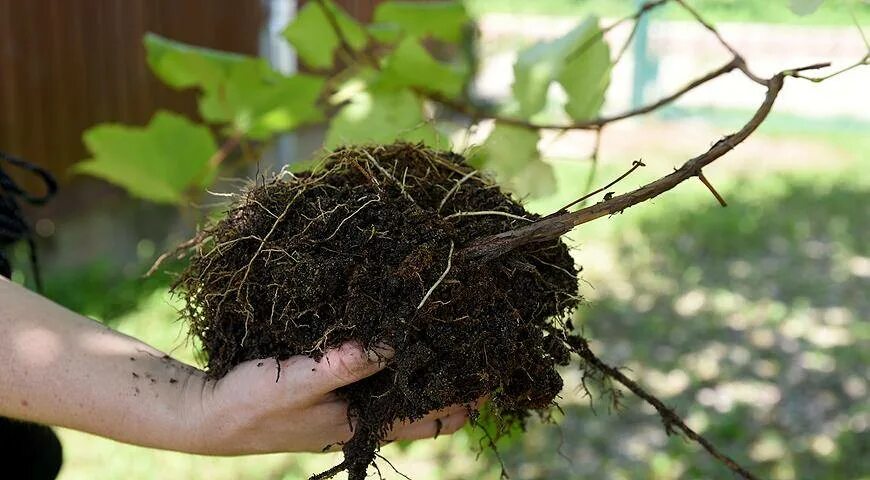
{"x":304,"y":263}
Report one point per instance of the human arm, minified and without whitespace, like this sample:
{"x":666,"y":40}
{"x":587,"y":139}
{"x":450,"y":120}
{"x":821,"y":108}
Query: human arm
{"x":60,"y":368}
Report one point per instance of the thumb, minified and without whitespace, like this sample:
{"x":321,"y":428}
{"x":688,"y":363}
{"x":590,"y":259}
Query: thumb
{"x":347,"y":364}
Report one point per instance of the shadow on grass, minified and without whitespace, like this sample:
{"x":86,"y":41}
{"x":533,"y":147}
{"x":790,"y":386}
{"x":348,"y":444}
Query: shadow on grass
{"x":751,"y":321}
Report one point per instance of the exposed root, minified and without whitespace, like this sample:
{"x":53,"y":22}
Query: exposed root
{"x":356,"y":251}
{"x":440,"y":279}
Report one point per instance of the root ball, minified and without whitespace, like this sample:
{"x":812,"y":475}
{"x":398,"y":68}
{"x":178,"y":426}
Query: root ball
{"x":358,"y":250}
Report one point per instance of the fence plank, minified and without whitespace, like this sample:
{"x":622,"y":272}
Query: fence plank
{"x":67,"y":65}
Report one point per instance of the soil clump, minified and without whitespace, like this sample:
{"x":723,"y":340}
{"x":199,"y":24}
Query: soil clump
{"x":367,"y":248}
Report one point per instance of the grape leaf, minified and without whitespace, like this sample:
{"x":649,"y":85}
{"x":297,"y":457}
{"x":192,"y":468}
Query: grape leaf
{"x":410,"y":65}
{"x":511,"y":154}
{"x":314,"y":38}
{"x":585,"y":75}
{"x":381,"y":116}
{"x":243,"y":91}
{"x":804,"y":7}
{"x":540,"y":64}
{"x":570,"y":184}
{"x":385,"y":32}
{"x":444,"y":20}
{"x":259,"y":102}
{"x":180,"y":65}
{"x":159,"y":162}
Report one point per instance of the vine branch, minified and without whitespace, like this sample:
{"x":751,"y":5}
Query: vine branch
{"x":593,"y":124}
{"x":634,"y":166}
{"x":550,"y":228}
{"x":670,"y":419}
{"x":712,"y":189}
{"x":475,"y":111}
{"x":593,"y":162}
{"x":864,"y":61}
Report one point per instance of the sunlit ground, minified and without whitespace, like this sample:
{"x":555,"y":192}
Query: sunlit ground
{"x":751,"y":321}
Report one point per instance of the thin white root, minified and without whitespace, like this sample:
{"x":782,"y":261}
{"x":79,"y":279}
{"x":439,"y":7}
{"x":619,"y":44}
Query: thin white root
{"x":440,"y":279}
{"x":376,"y":199}
{"x":488,"y":212}
{"x":456,"y":188}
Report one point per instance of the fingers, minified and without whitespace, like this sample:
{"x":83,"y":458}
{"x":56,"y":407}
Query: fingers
{"x":344,"y":365}
{"x":439,"y":422}
{"x":421,"y":429}
{"x":445,"y":421}
{"x":435,"y":414}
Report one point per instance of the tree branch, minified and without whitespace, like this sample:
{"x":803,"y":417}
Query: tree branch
{"x":593,"y":161}
{"x":709,"y":26}
{"x":712,"y":189}
{"x":641,"y":11}
{"x":859,"y":63}
{"x":635,"y":17}
{"x":670,"y":419}
{"x":476,"y":112}
{"x":596,"y":123}
{"x":550,"y":228}
{"x":634,"y":166}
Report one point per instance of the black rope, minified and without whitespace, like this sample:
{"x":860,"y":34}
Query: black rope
{"x":13,"y":227}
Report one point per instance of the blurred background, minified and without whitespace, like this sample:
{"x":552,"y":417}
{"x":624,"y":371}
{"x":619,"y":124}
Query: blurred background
{"x":751,"y":321}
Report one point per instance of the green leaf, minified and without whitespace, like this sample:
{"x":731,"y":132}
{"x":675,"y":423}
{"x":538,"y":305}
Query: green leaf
{"x":258,"y":102}
{"x":511,"y":154}
{"x":180,"y":65}
{"x":507,"y":150}
{"x":314,"y":38}
{"x":804,"y":7}
{"x":381,"y":116}
{"x":159,"y":162}
{"x":361,"y":80}
{"x":410,"y":65}
{"x":243,"y":91}
{"x":291,"y":102}
{"x":385,"y":32}
{"x":542,"y":63}
{"x":442,"y":20}
{"x":535,"y":181}
{"x":570,"y":177}
{"x":586,"y":75}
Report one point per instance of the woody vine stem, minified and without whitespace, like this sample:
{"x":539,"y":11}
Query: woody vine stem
{"x":560,"y":222}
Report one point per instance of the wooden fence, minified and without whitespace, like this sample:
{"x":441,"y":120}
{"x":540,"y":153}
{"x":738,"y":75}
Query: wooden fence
{"x":66,"y":65}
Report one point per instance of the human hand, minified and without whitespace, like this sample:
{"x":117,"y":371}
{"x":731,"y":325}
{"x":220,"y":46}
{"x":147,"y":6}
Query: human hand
{"x":67,"y":370}
{"x":248,"y":411}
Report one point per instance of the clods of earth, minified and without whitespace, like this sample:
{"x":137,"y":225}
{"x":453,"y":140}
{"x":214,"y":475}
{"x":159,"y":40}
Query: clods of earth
{"x":367,"y":247}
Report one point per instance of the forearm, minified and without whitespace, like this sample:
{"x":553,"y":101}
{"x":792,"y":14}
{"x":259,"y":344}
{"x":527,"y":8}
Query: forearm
{"x":60,"y":368}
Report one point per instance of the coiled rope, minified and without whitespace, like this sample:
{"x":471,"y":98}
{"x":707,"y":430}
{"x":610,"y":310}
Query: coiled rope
{"x":13,"y":226}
